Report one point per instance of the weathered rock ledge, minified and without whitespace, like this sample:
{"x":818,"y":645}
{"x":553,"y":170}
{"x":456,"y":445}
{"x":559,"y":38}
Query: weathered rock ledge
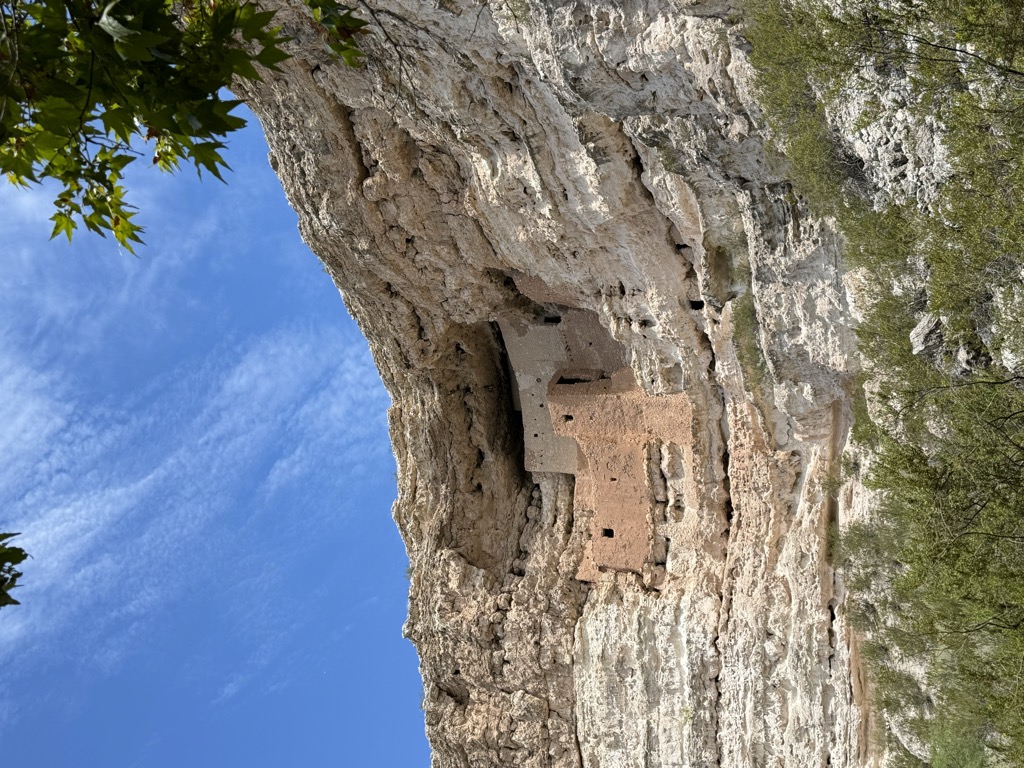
{"x":645,"y":583}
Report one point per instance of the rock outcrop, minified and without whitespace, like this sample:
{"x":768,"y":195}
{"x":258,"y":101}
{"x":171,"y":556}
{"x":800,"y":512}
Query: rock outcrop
{"x":497,"y":164}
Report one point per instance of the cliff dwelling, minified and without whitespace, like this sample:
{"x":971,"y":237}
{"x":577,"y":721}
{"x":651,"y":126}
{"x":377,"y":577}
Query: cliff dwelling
{"x":583,"y":414}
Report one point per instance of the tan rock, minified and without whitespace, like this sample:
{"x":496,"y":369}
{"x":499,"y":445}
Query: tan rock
{"x":496,"y":163}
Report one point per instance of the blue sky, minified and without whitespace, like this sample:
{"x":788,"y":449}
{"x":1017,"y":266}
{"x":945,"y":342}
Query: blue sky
{"x":194,"y":445}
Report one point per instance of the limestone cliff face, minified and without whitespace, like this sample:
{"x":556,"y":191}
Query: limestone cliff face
{"x":619,"y":353}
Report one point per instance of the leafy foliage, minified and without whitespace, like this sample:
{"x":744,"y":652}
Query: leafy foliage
{"x":10,"y":558}
{"x":938,"y":574}
{"x":82,"y":83}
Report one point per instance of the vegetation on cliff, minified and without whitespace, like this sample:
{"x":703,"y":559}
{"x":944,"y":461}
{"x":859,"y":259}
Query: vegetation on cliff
{"x":937,"y":575}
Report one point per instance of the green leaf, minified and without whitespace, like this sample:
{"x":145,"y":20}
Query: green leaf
{"x":62,"y":223}
{"x":11,"y":556}
{"x":119,"y":121}
{"x":256,"y":23}
{"x":59,"y":116}
{"x":271,"y":56}
{"x":64,"y":90}
{"x":241,"y":64}
{"x":113,"y":27}
{"x":206,"y":156}
{"x":91,"y":78}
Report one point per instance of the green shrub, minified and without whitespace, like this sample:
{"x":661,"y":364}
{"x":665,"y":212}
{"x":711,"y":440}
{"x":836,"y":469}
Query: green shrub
{"x":957,"y":745}
{"x":938,"y":573}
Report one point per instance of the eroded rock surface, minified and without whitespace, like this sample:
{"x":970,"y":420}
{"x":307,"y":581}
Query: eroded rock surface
{"x":498,"y":163}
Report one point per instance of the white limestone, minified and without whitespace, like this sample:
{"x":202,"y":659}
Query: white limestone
{"x":610,"y":152}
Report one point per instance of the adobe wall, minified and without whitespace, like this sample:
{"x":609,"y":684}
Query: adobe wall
{"x":583,"y":414}
{"x":569,"y":344}
{"x":613,"y":422}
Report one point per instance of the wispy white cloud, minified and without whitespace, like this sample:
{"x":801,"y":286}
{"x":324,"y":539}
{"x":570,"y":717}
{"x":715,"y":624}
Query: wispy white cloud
{"x":94,"y":285}
{"x":117,"y":539}
{"x":124,"y":501}
{"x":31,"y":413}
{"x":339,"y":402}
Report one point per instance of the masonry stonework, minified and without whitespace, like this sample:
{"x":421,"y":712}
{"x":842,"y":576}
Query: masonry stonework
{"x":613,"y":421}
{"x":560,"y":345}
{"x":583,"y":414}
